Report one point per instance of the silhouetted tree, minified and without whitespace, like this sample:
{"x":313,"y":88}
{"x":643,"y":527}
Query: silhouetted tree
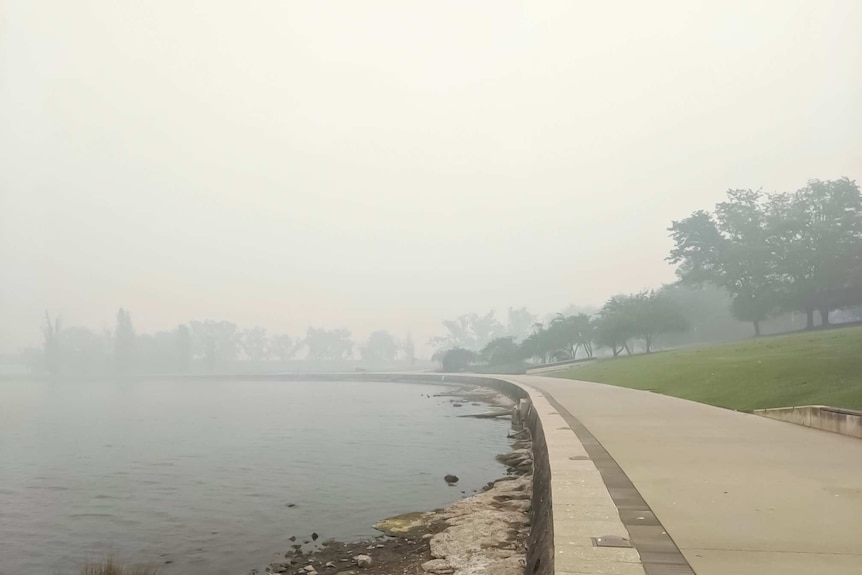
{"x":255,"y":344}
{"x":485,"y":328}
{"x":653,"y":315}
{"x":215,"y":341}
{"x":456,"y":359}
{"x":571,"y":333}
{"x":501,"y":351}
{"x":283,"y":346}
{"x":817,"y":242}
{"x":408,"y":349}
{"x":732,"y":250}
{"x":381,"y":346}
{"x":469,"y":331}
{"x":183,"y":348}
{"x":328,"y":344}
{"x":124,"y":342}
{"x":51,"y":345}
{"x":458,"y":334}
{"x":520,"y":323}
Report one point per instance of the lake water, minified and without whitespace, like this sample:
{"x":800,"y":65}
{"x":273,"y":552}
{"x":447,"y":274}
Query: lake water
{"x":198,"y":476}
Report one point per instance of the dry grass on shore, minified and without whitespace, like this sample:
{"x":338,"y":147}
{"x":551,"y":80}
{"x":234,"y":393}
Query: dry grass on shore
{"x":111,"y":567}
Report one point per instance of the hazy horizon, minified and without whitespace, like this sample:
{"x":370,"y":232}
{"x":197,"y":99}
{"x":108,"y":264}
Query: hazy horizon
{"x":388,"y":165}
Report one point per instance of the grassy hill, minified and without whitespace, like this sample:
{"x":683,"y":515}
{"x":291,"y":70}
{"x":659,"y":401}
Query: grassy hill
{"x":823,"y":367}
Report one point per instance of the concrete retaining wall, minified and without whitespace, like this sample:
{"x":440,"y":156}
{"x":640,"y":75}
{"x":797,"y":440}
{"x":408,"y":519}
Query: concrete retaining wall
{"x":835,"y":419}
{"x":540,"y":546}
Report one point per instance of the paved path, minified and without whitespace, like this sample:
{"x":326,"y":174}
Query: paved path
{"x":738,"y":493}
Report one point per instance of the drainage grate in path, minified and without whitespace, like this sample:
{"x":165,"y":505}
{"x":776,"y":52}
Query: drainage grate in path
{"x":610,"y":541}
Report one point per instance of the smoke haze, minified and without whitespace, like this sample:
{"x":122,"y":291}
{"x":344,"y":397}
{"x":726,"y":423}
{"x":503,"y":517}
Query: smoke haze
{"x":386,"y":165}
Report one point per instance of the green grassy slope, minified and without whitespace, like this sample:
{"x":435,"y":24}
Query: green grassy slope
{"x":822,"y":367}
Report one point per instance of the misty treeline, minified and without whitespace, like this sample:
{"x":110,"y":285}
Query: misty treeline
{"x":756,"y":257}
{"x":208,"y":345}
{"x":625,"y":323}
{"x":775,"y":253}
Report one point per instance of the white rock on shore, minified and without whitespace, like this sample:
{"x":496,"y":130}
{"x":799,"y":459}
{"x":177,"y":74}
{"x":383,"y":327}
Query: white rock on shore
{"x":479,"y":537}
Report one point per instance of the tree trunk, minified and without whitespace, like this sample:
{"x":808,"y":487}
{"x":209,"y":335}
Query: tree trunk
{"x":757,"y":328}
{"x":809,"y":318}
{"x":647,"y":344}
{"x":628,"y":350}
{"x":824,"y":316}
{"x":615,"y":350}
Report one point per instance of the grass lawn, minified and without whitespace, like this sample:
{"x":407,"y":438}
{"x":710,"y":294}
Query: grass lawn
{"x":823,"y":367}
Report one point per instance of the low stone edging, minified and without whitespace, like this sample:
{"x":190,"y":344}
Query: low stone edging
{"x":834,"y":419}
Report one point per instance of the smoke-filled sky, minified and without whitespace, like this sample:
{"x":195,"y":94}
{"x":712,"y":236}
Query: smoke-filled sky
{"x":388,"y":164}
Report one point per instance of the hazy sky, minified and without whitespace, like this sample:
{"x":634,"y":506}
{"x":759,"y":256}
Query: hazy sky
{"x":387,"y":164}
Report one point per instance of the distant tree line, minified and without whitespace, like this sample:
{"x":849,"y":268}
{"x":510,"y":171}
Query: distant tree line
{"x":79,"y":350}
{"x":755,"y":257}
{"x":622,"y":322}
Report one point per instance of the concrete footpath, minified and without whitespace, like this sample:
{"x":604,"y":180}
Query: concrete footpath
{"x":739,"y":494}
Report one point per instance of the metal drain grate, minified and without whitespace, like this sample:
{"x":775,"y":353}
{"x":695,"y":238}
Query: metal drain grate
{"x":610,"y":541}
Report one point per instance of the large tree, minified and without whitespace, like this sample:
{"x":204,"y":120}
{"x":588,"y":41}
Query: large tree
{"x":408,"y":349}
{"x":328,"y":343}
{"x":381,"y":346}
{"x":572,"y":333}
{"x":615,"y":325}
{"x":124,"y":342}
{"x":215,"y":341}
{"x":256,"y":344}
{"x":469,"y":331}
{"x":730,"y":249}
{"x":519,"y":323}
{"x":653,"y":314}
{"x":51,"y":346}
{"x":455,"y":359}
{"x":799,"y":251}
{"x":817,"y":241}
{"x":458,"y":334}
{"x":539,"y":344}
{"x":283,"y":347}
{"x":500,"y":351}
{"x":183,"y":348}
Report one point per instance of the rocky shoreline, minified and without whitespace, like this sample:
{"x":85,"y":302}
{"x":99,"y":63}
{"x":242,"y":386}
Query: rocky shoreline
{"x":485,"y":533}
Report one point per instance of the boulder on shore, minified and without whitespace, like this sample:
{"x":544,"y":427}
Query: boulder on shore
{"x":402,"y":524}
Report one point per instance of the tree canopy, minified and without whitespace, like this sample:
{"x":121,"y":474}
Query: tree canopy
{"x":798,"y":251}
